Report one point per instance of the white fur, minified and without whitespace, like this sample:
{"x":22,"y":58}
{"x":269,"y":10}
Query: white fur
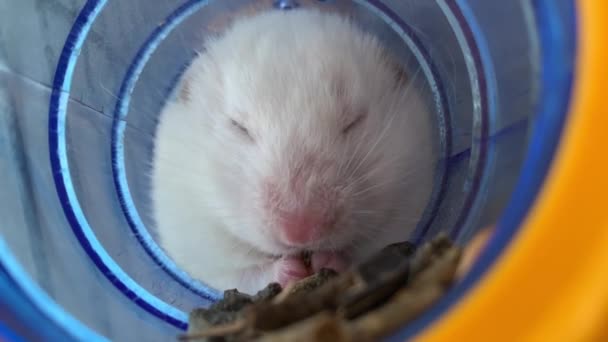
{"x":274,"y":73}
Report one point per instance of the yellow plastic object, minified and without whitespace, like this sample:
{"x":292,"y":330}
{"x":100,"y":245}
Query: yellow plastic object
{"x":551,"y":283}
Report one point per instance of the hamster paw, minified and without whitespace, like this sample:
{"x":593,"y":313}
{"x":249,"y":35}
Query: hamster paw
{"x":332,"y":260}
{"x":290,"y":269}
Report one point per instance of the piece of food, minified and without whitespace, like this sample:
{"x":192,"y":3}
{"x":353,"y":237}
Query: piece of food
{"x":365,"y":303}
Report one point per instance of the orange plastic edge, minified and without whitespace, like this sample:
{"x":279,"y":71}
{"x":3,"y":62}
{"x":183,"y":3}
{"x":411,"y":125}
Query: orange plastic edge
{"x":551,"y":284}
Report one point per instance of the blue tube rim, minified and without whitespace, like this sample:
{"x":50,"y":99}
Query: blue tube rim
{"x":61,"y":174}
{"x":7,"y":335}
{"x":119,"y":173}
{"x":552,"y":113}
{"x":36,"y":308}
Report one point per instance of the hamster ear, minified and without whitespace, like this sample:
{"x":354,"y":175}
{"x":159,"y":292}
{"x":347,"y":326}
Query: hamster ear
{"x":401,"y":76}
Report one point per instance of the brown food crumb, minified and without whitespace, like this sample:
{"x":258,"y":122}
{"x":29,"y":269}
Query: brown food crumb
{"x":306,"y":285}
{"x":268,"y":293}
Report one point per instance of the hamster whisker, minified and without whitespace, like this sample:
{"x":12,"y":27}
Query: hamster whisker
{"x":373,"y":147}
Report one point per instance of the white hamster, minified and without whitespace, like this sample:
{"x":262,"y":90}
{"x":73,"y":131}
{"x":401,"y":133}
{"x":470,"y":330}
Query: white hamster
{"x":293,"y":130}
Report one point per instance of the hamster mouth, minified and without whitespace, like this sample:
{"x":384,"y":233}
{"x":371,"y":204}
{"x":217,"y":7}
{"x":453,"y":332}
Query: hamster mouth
{"x":314,"y":261}
{"x":281,"y":250}
{"x":306,"y":249}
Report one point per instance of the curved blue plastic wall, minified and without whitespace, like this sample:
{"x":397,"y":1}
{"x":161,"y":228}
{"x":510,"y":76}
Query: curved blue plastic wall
{"x":82,"y":83}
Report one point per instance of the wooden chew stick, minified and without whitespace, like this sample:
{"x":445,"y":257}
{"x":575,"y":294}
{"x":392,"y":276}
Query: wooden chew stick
{"x":406,"y":305}
{"x":441,"y":271}
{"x":363,"y":304}
{"x":287,"y":291}
{"x":472,"y":250}
{"x":220,"y":330}
{"x":305,"y":285}
{"x":267,"y":316}
{"x":410,"y":301}
{"x":323,"y":327}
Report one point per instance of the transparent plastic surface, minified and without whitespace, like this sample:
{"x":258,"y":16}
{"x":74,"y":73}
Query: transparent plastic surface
{"x":74,"y":178}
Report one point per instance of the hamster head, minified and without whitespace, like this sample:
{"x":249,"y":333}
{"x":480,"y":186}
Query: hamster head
{"x":309,"y":135}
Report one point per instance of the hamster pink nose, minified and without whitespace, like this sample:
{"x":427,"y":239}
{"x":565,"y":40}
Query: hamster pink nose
{"x":302,"y":228}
